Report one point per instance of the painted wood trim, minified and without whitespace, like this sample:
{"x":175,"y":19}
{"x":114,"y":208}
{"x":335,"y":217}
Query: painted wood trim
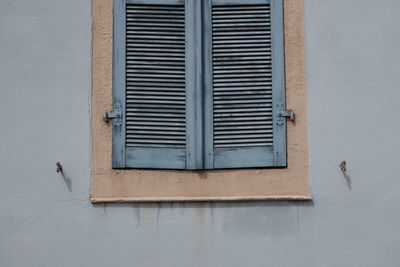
{"x":278,"y":82}
{"x":155,"y":158}
{"x":119,"y":85}
{"x":249,"y":157}
{"x":194,"y":77}
{"x":208,"y":151}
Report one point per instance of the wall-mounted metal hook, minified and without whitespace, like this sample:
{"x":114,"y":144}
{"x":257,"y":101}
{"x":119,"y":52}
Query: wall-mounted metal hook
{"x":59,"y":167}
{"x":343,"y":166}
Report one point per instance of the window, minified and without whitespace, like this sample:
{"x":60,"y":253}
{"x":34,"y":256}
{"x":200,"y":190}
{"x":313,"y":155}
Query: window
{"x":110,"y":184}
{"x":198,"y":84}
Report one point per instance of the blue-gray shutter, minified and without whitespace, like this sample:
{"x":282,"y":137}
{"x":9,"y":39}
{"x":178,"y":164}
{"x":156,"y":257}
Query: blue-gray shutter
{"x":149,"y":84}
{"x":248,"y":90}
{"x":199,"y":84}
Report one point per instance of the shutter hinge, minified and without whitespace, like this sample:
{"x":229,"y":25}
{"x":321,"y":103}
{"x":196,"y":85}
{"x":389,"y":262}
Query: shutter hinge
{"x":115,"y":115}
{"x":281,"y":114}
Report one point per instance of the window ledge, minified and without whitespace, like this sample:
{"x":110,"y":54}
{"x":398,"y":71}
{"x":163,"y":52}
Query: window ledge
{"x":198,"y":199}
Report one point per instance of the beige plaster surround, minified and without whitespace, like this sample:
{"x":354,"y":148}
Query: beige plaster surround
{"x":112,"y":185}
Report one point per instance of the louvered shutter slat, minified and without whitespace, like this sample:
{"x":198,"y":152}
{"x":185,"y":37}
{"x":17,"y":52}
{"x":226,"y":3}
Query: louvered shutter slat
{"x":134,"y":72}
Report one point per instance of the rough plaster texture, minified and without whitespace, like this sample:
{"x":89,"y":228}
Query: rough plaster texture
{"x":151,"y":185}
{"x":353,"y":87}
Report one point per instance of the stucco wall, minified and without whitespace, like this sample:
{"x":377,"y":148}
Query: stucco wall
{"x":353,"y":77}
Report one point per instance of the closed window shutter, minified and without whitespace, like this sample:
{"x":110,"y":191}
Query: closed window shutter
{"x":198,"y":84}
{"x":247,"y":84}
{"x":149,"y":84}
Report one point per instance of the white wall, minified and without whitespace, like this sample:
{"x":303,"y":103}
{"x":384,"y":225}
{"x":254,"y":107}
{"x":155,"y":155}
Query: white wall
{"x":353,"y":86}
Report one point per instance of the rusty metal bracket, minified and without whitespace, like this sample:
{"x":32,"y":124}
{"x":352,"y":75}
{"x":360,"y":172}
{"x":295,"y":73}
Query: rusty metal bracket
{"x":115,"y":115}
{"x":282,"y":114}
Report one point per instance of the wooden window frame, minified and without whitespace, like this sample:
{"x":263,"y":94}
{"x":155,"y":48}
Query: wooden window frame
{"x":119,"y":185}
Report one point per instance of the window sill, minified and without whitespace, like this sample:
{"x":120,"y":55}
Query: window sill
{"x":197,"y":199}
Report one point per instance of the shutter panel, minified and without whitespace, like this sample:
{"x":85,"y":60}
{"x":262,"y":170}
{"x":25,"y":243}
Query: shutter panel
{"x":149,"y":84}
{"x":200,"y":84}
{"x":248,"y":84}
